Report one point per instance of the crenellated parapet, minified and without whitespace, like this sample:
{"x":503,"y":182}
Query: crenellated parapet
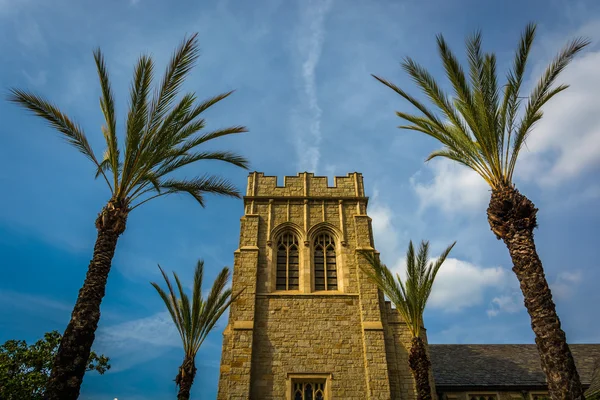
{"x":305,"y":185}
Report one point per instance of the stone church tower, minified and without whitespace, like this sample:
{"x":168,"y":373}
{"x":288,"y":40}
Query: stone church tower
{"x":309,"y":325}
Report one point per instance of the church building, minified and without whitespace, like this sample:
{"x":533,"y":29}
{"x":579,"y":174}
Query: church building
{"x":309,"y":325}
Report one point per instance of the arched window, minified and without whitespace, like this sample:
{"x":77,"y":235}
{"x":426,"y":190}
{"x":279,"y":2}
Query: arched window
{"x":288,"y":277}
{"x":324,"y":261}
{"x":309,"y":391}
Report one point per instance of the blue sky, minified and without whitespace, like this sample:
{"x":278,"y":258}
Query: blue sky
{"x":301,"y":70}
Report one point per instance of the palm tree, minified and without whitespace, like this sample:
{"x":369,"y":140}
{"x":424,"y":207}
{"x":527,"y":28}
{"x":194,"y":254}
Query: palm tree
{"x":194,"y":321}
{"x":485,"y":131}
{"x":410,"y":299}
{"x":161,"y":136}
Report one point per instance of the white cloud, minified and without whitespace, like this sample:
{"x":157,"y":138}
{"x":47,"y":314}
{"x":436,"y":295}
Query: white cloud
{"x":136,"y":341}
{"x":508,"y":303}
{"x":384,"y":232}
{"x":454,"y":188}
{"x":157,"y":330}
{"x":307,"y":119}
{"x":566,"y":142}
{"x":565,"y":284}
{"x":460,"y":284}
{"x":129,"y":343}
{"x":511,"y":300}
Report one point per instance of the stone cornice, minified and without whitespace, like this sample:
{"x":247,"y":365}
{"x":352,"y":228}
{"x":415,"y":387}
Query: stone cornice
{"x":302,"y":198}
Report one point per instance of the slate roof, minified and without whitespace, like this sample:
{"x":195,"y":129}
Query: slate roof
{"x":499,"y":366}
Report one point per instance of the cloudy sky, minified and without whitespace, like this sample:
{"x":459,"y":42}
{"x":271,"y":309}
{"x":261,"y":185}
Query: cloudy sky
{"x":301,"y":70}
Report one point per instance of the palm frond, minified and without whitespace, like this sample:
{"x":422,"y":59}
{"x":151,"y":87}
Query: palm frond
{"x":163,"y":156}
{"x":195,"y":321}
{"x":212,"y":307}
{"x":162,"y":133}
{"x":71,"y":131}
{"x":177,"y":117}
{"x":172,"y":304}
{"x":206,"y":104}
{"x":454,"y":137}
{"x":193,"y":143}
{"x":511,"y":101}
{"x":482,"y":132}
{"x":481,"y":88}
{"x":186,"y":312}
{"x":431,"y":88}
{"x":420,"y":106}
{"x":541,"y":94}
{"x":197,"y":302}
{"x":171,"y":135}
{"x":463,"y":100}
{"x":103,"y":167}
{"x":136,"y":135}
{"x":182,"y":62}
{"x":183,"y":160}
{"x":107,"y":105}
{"x":196,"y":187}
{"x":411,"y":295}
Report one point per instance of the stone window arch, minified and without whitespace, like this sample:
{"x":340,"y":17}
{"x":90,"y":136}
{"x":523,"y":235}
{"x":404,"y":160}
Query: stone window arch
{"x":288,"y":262}
{"x":325,"y":262}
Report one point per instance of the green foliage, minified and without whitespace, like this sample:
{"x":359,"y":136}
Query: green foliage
{"x":409,"y":297}
{"x":161,"y":133}
{"x":24,"y":370}
{"x":194,"y":320}
{"x":478,"y":126}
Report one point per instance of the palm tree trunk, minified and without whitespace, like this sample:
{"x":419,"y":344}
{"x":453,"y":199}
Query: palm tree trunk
{"x":512,"y":218}
{"x":73,"y":353}
{"x":419,"y":364}
{"x":185,"y":378}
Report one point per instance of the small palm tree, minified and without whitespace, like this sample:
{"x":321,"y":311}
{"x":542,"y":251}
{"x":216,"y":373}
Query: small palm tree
{"x":161,"y":136}
{"x":410,"y":298}
{"x":485,"y":130}
{"x":194,"y":320}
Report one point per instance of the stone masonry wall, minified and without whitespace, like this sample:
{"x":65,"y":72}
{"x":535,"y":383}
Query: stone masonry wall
{"x":348,"y":335}
{"x":308,"y":334}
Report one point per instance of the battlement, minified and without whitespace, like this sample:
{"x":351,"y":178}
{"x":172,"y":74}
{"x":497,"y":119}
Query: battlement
{"x":305,"y":184}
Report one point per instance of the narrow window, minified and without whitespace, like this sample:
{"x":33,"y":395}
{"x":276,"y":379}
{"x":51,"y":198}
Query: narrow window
{"x":287,"y":263}
{"x":325,"y":265}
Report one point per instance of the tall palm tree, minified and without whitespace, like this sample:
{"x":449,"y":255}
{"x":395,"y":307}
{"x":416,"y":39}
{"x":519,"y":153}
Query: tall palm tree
{"x":161,"y":136}
{"x":484,"y":128}
{"x":410,"y":298}
{"x":194,"y":320}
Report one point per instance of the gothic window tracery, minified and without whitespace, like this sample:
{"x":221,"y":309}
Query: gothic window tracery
{"x":309,"y":391}
{"x":325,"y":262}
{"x":288,"y":270}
